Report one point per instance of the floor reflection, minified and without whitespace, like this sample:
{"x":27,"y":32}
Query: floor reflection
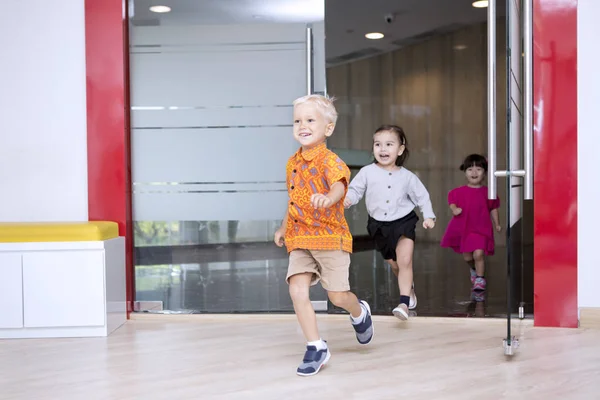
{"x":441,"y":281}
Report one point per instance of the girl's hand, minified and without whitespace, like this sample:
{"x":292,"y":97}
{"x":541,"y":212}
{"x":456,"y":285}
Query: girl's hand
{"x":498,"y":228}
{"x":456,"y":211}
{"x":428,"y":223}
{"x":347,"y":203}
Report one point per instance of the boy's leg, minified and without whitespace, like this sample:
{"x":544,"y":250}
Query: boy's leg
{"x":301,"y":271}
{"x":335,"y":266}
{"x":346,"y":300}
{"x":299,"y":289}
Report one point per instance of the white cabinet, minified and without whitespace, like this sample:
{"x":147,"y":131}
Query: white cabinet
{"x":63,"y":288}
{"x":11,"y":291}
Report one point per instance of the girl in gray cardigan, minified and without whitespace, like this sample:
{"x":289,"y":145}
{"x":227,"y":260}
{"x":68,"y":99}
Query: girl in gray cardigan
{"x":392,"y":193}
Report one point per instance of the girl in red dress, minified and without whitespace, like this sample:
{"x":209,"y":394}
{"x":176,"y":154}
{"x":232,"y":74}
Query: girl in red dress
{"x":470,"y":231}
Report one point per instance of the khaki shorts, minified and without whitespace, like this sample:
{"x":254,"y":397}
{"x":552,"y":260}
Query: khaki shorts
{"x":331,"y":267}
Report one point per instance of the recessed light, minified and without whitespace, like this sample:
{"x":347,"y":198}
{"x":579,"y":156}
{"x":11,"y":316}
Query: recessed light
{"x":374,"y":35}
{"x":480,"y":4}
{"x":160,"y":9}
{"x":460,"y":47}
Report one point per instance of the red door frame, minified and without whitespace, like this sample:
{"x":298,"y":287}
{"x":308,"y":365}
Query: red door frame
{"x":108,"y":135}
{"x":555,"y":163}
{"x":555,"y":183}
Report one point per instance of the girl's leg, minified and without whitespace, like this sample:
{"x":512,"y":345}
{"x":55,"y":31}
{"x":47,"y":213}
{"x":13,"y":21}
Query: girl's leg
{"x":394,"y":267}
{"x":479,"y":259}
{"x":413,"y":297}
{"x":404,"y":255}
{"x":469,"y":259}
{"x":404,"y":260}
{"x":299,"y":286}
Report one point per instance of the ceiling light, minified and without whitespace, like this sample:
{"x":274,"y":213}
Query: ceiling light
{"x":374,"y":35}
{"x":460,"y":47}
{"x":480,"y":4}
{"x":160,"y":9}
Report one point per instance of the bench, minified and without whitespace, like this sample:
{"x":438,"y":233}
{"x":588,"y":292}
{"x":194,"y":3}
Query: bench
{"x":61,"y":280}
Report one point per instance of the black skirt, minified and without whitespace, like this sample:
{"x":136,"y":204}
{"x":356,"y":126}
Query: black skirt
{"x":387,"y":234}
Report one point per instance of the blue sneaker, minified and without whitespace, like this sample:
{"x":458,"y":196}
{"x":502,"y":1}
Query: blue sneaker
{"x":313,"y":361}
{"x":364,"y":330}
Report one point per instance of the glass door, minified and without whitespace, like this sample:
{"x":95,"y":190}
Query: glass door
{"x":212,"y":86}
{"x":519,"y":152}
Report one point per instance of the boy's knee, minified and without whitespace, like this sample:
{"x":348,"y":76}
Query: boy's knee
{"x":298,"y":292}
{"x":337,"y":298}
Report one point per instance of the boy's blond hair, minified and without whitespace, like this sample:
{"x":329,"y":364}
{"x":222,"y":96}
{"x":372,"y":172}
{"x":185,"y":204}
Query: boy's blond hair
{"x":323,"y":103}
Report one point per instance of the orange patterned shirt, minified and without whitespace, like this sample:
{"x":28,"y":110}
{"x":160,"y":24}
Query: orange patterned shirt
{"x":309,"y":172}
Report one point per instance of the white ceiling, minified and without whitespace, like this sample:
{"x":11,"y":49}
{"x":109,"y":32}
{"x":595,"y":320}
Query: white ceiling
{"x":346,"y":21}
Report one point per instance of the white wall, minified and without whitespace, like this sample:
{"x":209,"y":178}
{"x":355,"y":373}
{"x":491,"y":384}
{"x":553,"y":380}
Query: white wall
{"x":43,"y":155}
{"x":588,"y":144}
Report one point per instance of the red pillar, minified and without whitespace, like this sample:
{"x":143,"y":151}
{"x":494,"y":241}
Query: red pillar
{"x":555,"y":162}
{"x":108,"y":136}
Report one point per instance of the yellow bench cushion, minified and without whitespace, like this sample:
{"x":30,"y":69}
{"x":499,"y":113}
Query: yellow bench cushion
{"x":19,"y":232}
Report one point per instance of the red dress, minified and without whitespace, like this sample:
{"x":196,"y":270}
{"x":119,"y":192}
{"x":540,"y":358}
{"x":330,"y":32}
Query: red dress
{"x":472,"y":229}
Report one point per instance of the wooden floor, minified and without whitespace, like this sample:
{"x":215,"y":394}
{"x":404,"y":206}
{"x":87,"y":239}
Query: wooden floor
{"x":255,"y":357}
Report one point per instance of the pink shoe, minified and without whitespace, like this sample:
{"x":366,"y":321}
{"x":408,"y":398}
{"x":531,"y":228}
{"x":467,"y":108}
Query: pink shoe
{"x":479,"y":284}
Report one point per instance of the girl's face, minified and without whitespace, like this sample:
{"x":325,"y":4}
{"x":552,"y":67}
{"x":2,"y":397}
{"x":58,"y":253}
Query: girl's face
{"x":475,"y":175}
{"x":387,"y":148}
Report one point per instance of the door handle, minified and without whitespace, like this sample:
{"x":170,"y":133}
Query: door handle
{"x":527,"y":172}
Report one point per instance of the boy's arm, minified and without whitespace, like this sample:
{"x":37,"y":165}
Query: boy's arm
{"x":336,"y":192}
{"x":280,"y":233}
{"x":337,"y":175}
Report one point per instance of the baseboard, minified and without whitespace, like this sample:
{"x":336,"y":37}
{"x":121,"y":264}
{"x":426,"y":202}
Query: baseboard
{"x":589,"y":317}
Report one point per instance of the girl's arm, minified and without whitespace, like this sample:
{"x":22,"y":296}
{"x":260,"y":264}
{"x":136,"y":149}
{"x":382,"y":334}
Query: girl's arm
{"x":455,"y":209}
{"x":452,"y":200}
{"x":493,"y":205}
{"x":356,"y":189}
{"x":420,"y":196}
{"x":496,"y":219}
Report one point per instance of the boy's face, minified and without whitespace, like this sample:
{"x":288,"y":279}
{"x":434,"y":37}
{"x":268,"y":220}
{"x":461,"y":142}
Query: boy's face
{"x":310,"y":126}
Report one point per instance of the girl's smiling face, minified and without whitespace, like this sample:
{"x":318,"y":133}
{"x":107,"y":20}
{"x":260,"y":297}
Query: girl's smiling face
{"x":387,"y":148}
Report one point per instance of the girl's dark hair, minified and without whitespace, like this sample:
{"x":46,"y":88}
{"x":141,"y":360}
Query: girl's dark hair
{"x":401,"y":137}
{"x":474,"y":160}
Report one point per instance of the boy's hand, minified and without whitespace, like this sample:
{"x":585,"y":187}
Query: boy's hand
{"x":347,"y":203}
{"x":279,"y":234}
{"x":320,"y":201}
{"x":428,"y":223}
